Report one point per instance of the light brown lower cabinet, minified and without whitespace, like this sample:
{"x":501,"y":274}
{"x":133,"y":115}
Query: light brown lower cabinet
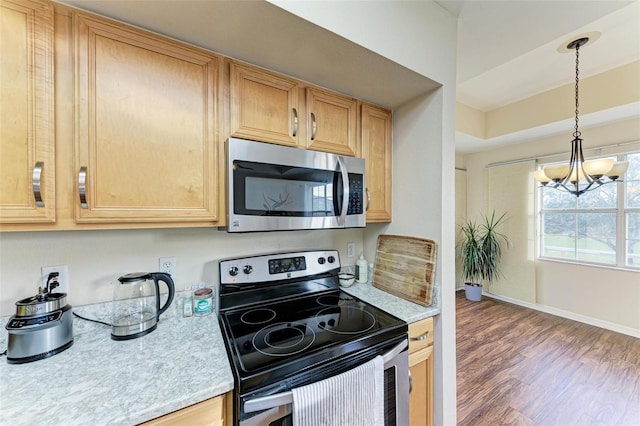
{"x":210,"y":412}
{"x":421,"y":369}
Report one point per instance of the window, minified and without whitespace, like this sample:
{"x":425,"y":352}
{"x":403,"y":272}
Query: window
{"x":599,"y":227}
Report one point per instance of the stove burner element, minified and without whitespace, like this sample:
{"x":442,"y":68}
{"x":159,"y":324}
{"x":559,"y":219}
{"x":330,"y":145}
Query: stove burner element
{"x":283,"y":339}
{"x":328,"y":300}
{"x":336,"y":320}
{"x":258,"y":316}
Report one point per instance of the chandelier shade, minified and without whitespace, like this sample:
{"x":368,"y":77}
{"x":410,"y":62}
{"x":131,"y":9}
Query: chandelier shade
{"x":580,"y":176}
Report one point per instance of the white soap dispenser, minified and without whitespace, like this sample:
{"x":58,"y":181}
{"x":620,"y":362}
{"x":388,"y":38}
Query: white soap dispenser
{"x":362,"y":267}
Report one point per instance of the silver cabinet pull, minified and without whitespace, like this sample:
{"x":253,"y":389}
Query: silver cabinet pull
{"x":422,"y":337}
{"x":313,"y":126}
{"x":410,"y":382}
{"x":368,"y":199}
{"x":36,"y":178}
{"x":82,"y":187}
{"x":295,"y":123}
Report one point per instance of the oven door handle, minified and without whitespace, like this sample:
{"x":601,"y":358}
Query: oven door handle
{"x":273,"y":401}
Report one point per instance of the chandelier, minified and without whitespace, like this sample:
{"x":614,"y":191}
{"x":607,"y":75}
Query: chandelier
{"x":580,"y":176}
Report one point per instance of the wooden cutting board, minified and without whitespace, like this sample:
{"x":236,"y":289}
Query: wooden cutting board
{"x":405,"y":267}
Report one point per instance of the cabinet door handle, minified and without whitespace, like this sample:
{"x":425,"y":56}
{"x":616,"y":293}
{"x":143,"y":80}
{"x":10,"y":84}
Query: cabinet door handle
{"x":82,"y":187}
{"x":313,"y":126}
{"x":422,"y":337}
{"x":36,"y":178}
{"x":368,"y":199}
{"x":410,"y":382}
{"x":295,"y":122}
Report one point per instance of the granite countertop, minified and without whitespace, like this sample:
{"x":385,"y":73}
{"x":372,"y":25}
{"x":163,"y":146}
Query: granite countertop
{"x":401,"y":308}
{"x":103,"y":381}
{"x":99,"y":381}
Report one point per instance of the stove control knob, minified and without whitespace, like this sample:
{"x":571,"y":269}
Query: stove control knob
{"x":233,"y":271}
{"x":321,"y":260}
{"x":331,"y":259}
{"x":247,"y":269}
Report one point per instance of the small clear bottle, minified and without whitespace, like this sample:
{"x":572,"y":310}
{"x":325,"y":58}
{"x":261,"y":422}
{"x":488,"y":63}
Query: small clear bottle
{"x":362,"y":267}
{"x":187,"y":302}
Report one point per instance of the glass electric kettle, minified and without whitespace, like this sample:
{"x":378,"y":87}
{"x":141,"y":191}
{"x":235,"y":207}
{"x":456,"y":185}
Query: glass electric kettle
{"x":136,"y":304}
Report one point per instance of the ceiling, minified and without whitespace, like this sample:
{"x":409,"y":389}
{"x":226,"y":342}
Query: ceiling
{"x":508,"y":50}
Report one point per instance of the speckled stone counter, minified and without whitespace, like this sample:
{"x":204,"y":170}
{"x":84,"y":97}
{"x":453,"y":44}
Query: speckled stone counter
{"x":403,"y":309}
{"x":99,"y":381}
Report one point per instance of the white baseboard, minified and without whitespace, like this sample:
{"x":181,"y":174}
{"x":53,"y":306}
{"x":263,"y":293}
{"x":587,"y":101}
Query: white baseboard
{"x":566,"y":314}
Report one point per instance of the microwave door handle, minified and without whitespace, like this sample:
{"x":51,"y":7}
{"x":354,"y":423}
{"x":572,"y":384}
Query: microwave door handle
{"x":284,"y":398}
{"x":345,"y":191}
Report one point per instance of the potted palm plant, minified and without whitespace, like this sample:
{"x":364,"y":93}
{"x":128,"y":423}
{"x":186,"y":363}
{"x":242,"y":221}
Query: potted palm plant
{"x":480,"y":253}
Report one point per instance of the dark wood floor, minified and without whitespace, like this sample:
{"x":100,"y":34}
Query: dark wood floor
{"x":523,"y":367}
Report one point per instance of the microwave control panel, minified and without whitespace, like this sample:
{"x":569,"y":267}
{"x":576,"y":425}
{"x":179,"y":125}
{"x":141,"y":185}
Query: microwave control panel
{"x":355,"y":194}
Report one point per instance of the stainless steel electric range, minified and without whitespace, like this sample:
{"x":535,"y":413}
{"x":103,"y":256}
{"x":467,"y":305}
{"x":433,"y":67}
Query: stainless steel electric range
{"x":287,"y":324}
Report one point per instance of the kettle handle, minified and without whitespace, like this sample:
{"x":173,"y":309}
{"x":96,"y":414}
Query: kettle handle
{"x":165,"y":278}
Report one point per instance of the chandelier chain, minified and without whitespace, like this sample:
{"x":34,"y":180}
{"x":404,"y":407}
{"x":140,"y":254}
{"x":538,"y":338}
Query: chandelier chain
{"x":576,"y":133}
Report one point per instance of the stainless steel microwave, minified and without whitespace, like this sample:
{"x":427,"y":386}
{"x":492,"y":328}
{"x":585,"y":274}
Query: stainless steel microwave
{"x":278,"y":188}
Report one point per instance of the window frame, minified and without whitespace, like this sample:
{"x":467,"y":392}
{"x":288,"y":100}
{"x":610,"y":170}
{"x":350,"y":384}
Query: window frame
{"x":621,"y":211}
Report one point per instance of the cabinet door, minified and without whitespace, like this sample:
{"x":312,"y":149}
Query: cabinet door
{"x":421,"y":397}
{"x":421,"y":369}
{"x":146,"y":134}
{"x":27,"y":152}
{"x":209,"y":412}
{"x":376,"y":125}
{"x":331,"y":123}
{"x":264,"y":106}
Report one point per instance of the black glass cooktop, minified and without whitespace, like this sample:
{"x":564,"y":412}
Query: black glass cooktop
{"x":313,"y":327}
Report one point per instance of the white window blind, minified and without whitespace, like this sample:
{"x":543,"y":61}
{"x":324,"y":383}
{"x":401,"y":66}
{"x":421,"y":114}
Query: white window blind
{"x":510,"y":188}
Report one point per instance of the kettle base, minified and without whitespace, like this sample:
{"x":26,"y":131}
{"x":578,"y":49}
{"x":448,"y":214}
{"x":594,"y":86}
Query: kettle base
{"x":134,"y":335}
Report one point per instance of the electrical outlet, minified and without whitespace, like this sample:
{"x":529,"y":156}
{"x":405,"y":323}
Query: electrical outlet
{"x":63,"y":277}
{"x":168,"y":265}
{"x":351,"y":249}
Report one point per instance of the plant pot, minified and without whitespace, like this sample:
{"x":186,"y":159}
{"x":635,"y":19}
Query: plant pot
{"x":473,"y":292}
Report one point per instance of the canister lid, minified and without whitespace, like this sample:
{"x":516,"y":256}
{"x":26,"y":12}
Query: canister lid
{"x":203,"y":292}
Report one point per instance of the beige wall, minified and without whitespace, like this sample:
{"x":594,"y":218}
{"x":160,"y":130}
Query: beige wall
{"x":602,"y":296}
{"x":97,"y":258}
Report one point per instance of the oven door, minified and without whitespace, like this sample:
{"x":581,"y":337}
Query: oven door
{"x":275,"y":410}
{"x":273,"y":187}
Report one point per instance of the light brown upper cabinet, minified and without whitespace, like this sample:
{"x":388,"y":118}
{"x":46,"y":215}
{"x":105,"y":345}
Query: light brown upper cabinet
{"x":271,"y":107}
{"x":264,"y":106}
{"x":376,"y":131}
{"x":145,"y":126}
{"x":331,"y":122}
{"x":27,"y":138}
